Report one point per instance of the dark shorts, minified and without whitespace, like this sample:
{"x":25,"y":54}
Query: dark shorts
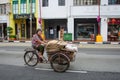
{"x":40,"y":48}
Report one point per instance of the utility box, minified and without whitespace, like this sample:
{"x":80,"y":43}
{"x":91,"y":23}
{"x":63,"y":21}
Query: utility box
{"x":67,"y":36}
{"x":99,"y":38}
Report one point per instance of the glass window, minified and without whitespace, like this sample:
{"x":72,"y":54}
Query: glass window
{"x":44,"y":3}
{"x":2,"y":9}
{"x":112,"y":2}
{"x":61,"y":2}
{"x":33,"y":5}
{"x":84,"y":31}
{"x":85,"y":2}
{"x":23,"y":7}
{"x":15,"y":7}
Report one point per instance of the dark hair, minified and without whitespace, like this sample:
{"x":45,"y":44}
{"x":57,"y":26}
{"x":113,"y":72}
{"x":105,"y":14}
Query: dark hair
{"x":38,"y":30}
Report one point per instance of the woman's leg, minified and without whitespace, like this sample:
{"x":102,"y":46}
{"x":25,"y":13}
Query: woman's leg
{"x":40,"y":49}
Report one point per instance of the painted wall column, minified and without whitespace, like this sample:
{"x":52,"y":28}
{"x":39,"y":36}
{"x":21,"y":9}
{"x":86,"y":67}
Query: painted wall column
{"x":104,"y":28}
{"x":70,"y":26}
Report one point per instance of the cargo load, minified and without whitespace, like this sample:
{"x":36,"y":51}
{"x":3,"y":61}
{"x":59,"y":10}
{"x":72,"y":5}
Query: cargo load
{"x":55,"y":45}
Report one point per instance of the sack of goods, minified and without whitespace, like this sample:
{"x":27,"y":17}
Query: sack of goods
{"x":55,"y":45}
{"x":71,"y":47}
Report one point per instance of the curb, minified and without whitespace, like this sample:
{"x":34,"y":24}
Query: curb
{"x":98,"y":42}
{"x":23,"y":41}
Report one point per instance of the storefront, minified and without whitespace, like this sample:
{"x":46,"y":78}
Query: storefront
{"x":114,"y":29}
{"x":22,"y":26}
{"x":52,"y":27}
{"x":85,"y":29}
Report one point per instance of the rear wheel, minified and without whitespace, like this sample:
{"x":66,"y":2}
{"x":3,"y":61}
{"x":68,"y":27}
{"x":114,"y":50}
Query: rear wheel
{"x":59,"y":63}
{"x":30,"y":58}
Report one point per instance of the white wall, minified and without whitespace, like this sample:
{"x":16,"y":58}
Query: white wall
{"x":3,"y":19}
{"x":4,"y":1}
{"x":92,"y":11}
{"x":70,"y":26}
{"x":54,"y":11}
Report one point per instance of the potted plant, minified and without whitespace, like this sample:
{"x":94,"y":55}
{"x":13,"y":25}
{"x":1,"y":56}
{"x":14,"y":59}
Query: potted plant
{"x":9,"y":31}
{"x":12,"y":37}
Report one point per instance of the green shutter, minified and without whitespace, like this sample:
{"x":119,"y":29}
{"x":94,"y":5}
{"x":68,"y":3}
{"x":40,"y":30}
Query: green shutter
{"x":15,"y":2}
{"x":23,"y":1}
{"x":33,"y":1}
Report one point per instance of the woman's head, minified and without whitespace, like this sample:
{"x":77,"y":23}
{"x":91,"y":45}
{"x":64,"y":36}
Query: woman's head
{"x":39,"y":31}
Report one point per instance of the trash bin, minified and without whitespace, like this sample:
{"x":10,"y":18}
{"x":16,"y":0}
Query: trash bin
{"x":67,"y":37}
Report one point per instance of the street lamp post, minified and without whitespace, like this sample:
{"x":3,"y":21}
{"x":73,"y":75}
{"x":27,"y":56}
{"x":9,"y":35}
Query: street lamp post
{"x":30,"y":19}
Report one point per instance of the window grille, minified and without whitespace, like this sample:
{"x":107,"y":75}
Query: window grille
{"x":85,"y":2}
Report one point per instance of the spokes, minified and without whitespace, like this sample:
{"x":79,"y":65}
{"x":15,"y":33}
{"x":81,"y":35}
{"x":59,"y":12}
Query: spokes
{"x":30,"y":59}
{"x":60,"y":63}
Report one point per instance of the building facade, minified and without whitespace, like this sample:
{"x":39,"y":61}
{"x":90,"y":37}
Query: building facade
{"x":80,"y":17}
{"x":4,"y":17}
{"x":85,"y":19}
{"x":23,"y":16}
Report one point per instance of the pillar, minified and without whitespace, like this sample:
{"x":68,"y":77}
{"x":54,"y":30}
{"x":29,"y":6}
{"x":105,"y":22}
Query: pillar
{"x":104,"y":28}
{"x":70,"y":26}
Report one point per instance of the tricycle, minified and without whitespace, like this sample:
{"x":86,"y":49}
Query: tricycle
{"x":59,"y":58}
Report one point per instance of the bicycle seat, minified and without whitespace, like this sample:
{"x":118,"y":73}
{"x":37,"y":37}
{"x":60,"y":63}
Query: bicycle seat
{"x":30,"y":49}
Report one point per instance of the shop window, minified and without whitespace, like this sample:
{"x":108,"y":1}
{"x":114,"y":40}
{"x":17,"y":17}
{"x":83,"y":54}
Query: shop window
{"x":85,"y":31}
{"x":114,"y":29}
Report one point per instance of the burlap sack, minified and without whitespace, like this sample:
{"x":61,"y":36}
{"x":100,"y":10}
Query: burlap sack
{"x":55,"y":45}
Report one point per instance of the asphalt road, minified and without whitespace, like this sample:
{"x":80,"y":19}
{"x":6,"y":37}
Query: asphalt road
{"x":87,"y":59}
{"x":90,"y":64}
{"x":8,"y":72}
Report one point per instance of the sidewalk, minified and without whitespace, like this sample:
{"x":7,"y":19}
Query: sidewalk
{"x":79,"y":44}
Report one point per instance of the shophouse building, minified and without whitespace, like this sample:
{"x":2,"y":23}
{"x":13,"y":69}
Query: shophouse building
{"x":4,"y":17}
{"x":85,"y":19}
{"x":82,"y":18}
{"x":22,"y":17}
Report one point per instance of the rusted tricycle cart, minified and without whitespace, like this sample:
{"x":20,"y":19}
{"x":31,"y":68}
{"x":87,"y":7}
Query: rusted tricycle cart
{"x":59,"y":58}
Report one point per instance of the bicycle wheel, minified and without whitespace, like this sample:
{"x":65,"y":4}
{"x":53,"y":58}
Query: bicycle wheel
{"x":59,"y":63}
{"x":30,"y":58}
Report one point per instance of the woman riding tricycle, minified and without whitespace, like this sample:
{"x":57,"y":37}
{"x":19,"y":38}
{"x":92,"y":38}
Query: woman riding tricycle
{"x":59,"y":53}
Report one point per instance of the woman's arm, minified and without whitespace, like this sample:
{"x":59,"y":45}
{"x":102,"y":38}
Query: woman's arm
{"x":38,"y":40}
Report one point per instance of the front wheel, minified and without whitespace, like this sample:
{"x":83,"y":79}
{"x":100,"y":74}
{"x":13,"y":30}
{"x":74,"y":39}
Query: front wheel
{"x":59,"y":63}
{"x":30,"y":58}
